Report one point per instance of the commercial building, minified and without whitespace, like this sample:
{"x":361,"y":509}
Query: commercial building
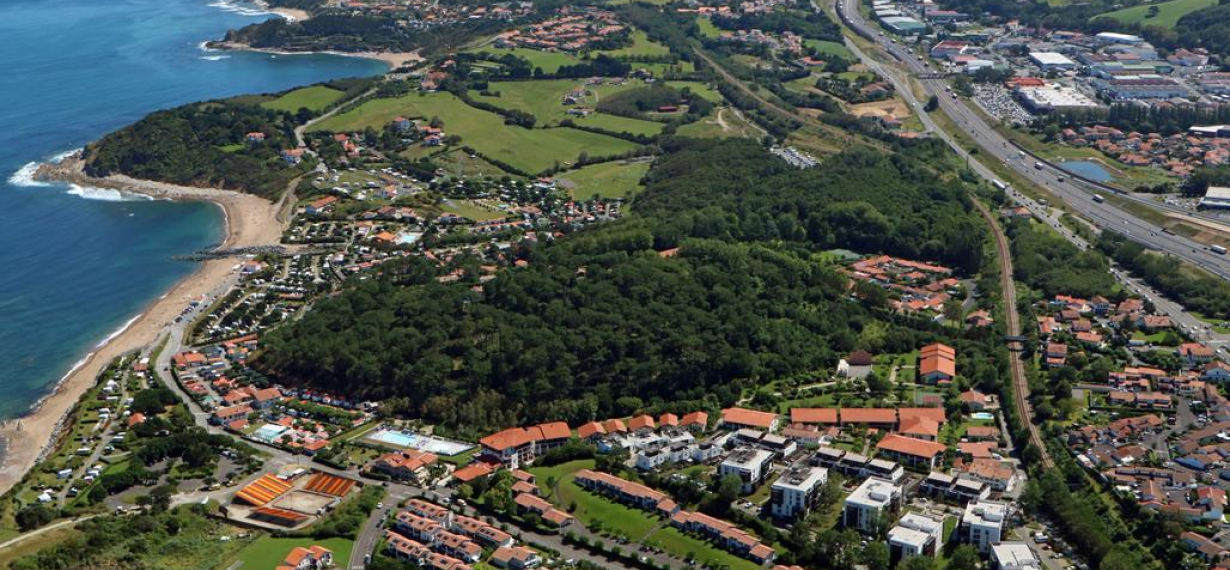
{"x":874,"y":500}
{"x":1217,"y":197}
{"x":903,"y":25}
{"x":748,"y":464}
{"x":915,"y":535}
{"x":1047,"y":98}
{"x":1142,"y":88}
{"x":1050,"y":60}
{"x":983,"y":523}
{"x":797,"y":491}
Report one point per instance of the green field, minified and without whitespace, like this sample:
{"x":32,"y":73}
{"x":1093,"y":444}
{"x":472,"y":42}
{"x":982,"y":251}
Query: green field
{"x":471,"y":210}
{"x":700,"y":89}
{"x":661,"y":69}
{"x":824,"y":47}
{"x":550,"y":62}
{"x":615,"y":179}
{"x":316,"y":98}
{"x":545,"y":100}
{"x":268,"y":552}
{"x":1167,"y":16}
{"x":673,"y":540}
{"x":530,"y":150}
{"x":711,"y":127}
{"x":641,"y":45}
{"x":707,"y":29}
{"x":591,"y":508}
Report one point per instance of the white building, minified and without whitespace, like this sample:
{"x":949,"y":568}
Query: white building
{"x":797,"y":491}
{"x":749,"y":464}
{"x":872,"y":500}
{"x":915,"y":535}
{"x":1051,"y":60}
{"x":983,"y":523}
{"x":1013,"y":556}
{"x":1216,"y":197}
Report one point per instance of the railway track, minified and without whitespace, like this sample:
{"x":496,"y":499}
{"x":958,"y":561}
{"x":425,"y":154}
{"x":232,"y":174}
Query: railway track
{"x":1020,"y":385}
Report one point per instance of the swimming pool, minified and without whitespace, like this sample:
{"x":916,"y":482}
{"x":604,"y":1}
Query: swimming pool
{"x":410,"y":440}
{"x":982,"y":416}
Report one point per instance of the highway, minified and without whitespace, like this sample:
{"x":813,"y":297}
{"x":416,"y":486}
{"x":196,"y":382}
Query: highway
{"x":995,"y":146}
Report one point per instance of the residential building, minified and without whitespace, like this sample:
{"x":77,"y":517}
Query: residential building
{"x":873,"y":501}
{"x":983,"y":523}
{"x":797,"y":491}
{"x":915,"y":535}
{"x":751,"y":465}
{"x":1013,"y":556}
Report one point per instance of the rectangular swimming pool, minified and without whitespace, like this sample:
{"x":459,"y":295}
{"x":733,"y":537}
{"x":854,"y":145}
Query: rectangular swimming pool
{"x":402,"y":439}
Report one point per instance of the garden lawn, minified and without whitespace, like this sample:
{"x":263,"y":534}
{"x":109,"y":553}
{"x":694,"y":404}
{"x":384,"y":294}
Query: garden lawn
{"x":1168,"y":13}
{"x":316,"y":98}
{"x":531,"y":150}
{"x":641,"y":45}
{"x":558,"y":472}
{"x":268,"y":552}
{"x":616,"y":179}
{"x":674,"y":541}
{"x":591,"y":508}
{"x":549,"y":61}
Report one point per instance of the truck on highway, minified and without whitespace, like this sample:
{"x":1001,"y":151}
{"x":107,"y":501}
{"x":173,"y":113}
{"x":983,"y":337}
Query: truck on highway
{"x":1219,"y":250}
{"x":999,"y":185}
{"x":1098,"y":198}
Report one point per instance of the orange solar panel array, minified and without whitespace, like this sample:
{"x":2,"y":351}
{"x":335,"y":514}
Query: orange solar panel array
{"x":261,"y":491}
{"x":331,"y":485}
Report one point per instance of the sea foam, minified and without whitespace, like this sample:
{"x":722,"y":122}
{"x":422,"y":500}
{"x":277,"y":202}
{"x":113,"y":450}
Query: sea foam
{"x":25,"y":176}
{"x":243,"y":9}
{"x":104,"y":194}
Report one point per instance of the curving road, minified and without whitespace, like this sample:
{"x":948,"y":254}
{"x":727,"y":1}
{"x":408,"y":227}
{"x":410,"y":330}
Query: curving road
{"x":995,"y":145}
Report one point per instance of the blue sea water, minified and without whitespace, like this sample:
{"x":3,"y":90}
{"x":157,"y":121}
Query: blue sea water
{"x":76,"y":264}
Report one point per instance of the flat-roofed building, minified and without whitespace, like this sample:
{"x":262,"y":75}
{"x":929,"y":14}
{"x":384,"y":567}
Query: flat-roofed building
{"x":797,"y":491}
{"x":873,"y":501}
{"x":915,"y":535}
{"x":1013,"y":556}
{"x":751,"y":465}
{"x":983,"y":523}
{"x":1217,"y":197}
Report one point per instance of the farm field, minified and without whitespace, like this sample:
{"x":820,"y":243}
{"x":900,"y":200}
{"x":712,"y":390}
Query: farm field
{"x":550,"y":62}
{"x":316,"y":98}
{"x":1167,"y":16}
{"x":615,"y":179}
{"x":268,"y":552}
{"x":544,"y":100}
{"x":531,"y":150}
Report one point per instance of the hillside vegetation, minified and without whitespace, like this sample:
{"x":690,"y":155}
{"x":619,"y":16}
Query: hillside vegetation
{"x":600,"y":323}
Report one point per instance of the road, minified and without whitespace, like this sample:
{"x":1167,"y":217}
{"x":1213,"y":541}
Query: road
{"x":997,"y":147}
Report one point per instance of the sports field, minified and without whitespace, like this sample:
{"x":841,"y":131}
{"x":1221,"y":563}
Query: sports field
{"x":316,"y":98}
{"x":550,"y":62}
{"x":545,"y":100}
{"x":529,"y":150}
{"x":1168,"y":13}
{"x":616,"y":179}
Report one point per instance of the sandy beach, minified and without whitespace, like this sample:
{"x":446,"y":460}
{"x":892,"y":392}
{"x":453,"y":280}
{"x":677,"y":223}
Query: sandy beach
{"x":393,"y":59}
{"x":250,"y":221}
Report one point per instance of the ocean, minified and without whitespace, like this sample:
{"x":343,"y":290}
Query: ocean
{"x":76,"y":264}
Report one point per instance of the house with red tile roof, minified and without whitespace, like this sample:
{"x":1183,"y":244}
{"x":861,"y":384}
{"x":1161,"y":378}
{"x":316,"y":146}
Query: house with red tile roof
{"x":937,"y":363}
{"x":912,"y":452}
{"x":737,"y":418}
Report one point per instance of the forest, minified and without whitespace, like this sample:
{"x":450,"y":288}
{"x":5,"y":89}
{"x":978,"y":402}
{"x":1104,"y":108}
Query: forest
{"x":1194,"y":289}
{"x":354,"y":33}
{"x":203,"y":144}
{"x":600,"y":323}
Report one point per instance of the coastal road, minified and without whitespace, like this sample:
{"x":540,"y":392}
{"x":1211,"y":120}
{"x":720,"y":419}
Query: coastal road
{"x":997,"y":147}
